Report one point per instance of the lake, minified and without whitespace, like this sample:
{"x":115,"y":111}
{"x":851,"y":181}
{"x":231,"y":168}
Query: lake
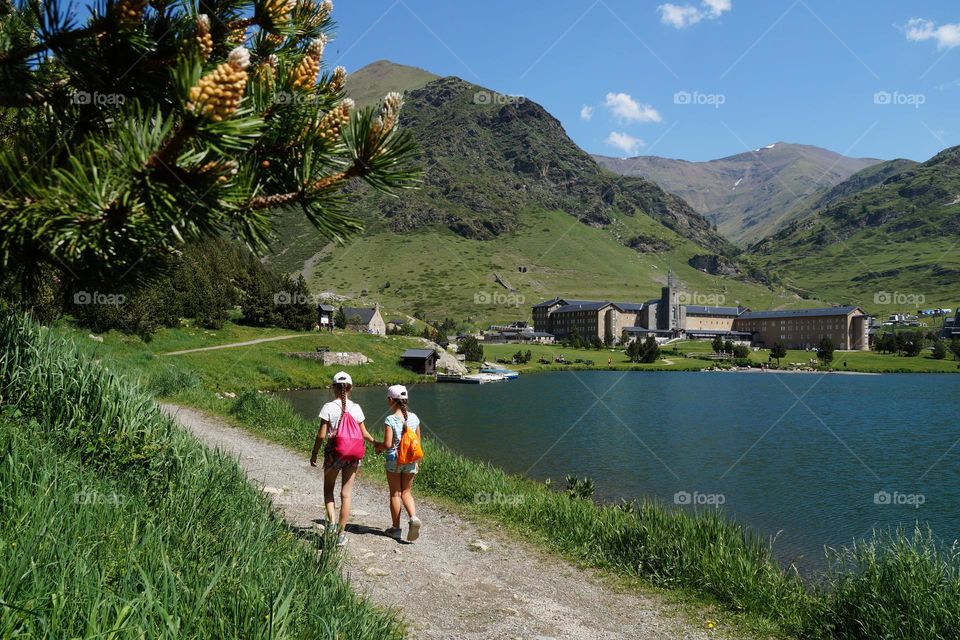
{"x":811,"y":459}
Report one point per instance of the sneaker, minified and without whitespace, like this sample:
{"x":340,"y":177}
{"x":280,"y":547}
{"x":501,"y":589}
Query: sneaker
{"x":413,"y":530}
{"x":342,"y":540}
{"x":394,"y":532}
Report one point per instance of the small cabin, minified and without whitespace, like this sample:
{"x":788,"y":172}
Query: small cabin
{"x":422,"y":361}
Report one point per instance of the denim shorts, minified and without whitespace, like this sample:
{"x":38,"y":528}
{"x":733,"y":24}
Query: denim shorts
{"x":390,"y":464}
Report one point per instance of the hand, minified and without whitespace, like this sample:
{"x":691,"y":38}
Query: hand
{"x":313,"y":461}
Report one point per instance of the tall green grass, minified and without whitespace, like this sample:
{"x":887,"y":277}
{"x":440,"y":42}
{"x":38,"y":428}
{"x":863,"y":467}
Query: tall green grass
{"x":897,"y":586}
{"x":115,"y":523}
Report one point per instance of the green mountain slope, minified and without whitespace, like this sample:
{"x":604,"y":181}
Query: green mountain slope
{"x":507,"y":195}
{"x":899,"y":236}
{"x":746,"y":195}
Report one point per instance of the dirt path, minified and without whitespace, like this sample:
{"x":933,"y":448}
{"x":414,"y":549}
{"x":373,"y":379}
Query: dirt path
{"x":229,"y":346}
{"x":443,"y":585}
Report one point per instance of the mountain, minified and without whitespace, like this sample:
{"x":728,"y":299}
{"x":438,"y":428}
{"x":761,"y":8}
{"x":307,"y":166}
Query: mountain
{"x":510,"y":212}
{"x":377,"y":79}
{"x":889,"y":235}
{"x":746,"y":195}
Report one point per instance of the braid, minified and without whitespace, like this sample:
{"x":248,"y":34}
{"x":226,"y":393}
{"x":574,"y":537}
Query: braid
{"x":403,"y":409}
{"x":342,"y":394}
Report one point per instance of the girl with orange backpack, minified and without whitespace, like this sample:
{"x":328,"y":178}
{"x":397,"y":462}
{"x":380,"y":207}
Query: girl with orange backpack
{"x":401,"y":443}
{"x":343,"y":430}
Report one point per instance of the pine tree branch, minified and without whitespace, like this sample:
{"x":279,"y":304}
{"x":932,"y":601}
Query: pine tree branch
{"x":55,"y":41}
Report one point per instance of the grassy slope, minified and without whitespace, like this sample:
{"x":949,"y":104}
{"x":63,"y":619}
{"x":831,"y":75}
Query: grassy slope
{"x":898,"y":237}
{"x":117,"y":524}
{"x":445,"y":272}
{"x":261,"y":366}
{"x":369,"y":84}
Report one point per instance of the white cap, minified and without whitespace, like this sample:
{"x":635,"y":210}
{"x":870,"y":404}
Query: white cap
{"x":343,"y":378}
{"x":397,"y":392}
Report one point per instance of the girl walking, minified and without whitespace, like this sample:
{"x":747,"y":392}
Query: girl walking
{"x":331,"y":417}
{"x":400,"y":476}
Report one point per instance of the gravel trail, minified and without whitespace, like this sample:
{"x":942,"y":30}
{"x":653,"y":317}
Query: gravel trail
{"x":461,"y":579}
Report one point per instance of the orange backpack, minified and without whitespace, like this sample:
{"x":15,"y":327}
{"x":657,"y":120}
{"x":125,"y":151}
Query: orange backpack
{"x":409,"y":450}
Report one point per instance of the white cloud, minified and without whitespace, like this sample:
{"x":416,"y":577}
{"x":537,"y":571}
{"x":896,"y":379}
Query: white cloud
{"x":683,"y":16}
{"x":625,"y":142}
{"x":947,"y":36}
{"x":586,"y":112}
{"x":626,"y":109}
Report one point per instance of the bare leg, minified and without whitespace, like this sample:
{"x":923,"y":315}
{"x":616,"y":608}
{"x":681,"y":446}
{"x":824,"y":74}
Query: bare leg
{"x":346,"y":495}
{"x":406,"y":494}
{"x":329,"y":486}
{"x":393,"y":480}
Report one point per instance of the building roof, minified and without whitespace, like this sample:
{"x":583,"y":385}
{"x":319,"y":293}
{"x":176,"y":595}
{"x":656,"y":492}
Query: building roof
{"x":800,"y":313}
{"x":645,"y":330}
{"x":562,"y":301}
{"x":708,"y":332}
{"x":629,"y":306}
{"x":397,"y":321}
{"x":582,"y":305}
{"x":364,"y":313}
{"x":697,"y":310}
{"x":327,"y":307}
{"x":418,"y":354}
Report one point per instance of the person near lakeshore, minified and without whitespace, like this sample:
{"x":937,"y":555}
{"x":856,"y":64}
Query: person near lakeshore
{"x":400,"y":476}
{"x":330,"y":415}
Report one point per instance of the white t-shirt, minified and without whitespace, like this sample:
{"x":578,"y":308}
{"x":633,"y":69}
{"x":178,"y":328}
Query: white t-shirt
{"x":331,"y":413}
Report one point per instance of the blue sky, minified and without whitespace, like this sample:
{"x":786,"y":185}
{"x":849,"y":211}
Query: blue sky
{"x":692,"y":79}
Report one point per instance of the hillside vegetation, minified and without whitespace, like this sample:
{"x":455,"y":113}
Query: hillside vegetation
{"x":891,"y":245}
{"x":747,"y":195}
{"x":506,"y":193}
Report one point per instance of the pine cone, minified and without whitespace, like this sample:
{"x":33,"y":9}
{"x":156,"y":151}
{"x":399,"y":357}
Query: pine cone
{"x":204,"y":39}
{"x":305,"y":75}
{"x":339,"y":80}
{"x":389,"y":113}
{"x":278,"y":11}
{"x":218,"y":94}
{"x":130,"y":13}
{"x":333,"y":122}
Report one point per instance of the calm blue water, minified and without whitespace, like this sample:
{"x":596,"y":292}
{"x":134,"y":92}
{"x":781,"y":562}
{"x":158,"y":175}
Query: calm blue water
{"x":799,"y":457}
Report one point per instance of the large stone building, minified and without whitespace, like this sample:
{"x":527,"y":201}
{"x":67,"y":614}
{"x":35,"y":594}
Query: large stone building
{"x":667,"y":317}
{"x":590,"y":318}
{"x":847,"y":327}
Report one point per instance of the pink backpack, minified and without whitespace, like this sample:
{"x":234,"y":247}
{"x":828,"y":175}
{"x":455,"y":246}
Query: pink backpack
{"x":348,"y":444}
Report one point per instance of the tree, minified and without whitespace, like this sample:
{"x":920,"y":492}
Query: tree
{"x":295,"y":305}
{"x":527,"y":356}
{"x":597,"y":343}
{"x":471,"y":349}
{"x":717,"y":344}
{"x":340,"y":319}
{"x":741,"y":352}
{"x":575,"y":339}
{"x":955,"y":348}
{"x":779,"y":350}
{"x":633,"y":351}
{"x":109,"y":167}
{"x":649,"y":352}
{"x":728,"y":346}
{"x":913,"y":343}
{"x":825,"y":350}
{"x":887,"y":343}
{"x":608,"y":340}
{"x":939,"y":349}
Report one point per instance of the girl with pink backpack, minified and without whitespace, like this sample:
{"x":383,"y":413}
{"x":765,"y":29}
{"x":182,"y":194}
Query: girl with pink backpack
{"x":343,"y":431}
